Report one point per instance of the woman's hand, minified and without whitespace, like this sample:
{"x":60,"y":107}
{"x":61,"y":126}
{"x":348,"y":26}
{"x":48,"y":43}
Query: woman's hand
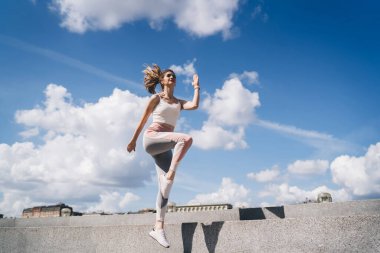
{"x":131,"y":146}
{"x":196,"y":81}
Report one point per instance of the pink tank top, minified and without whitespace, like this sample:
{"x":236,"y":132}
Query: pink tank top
{"x":166,"y":113}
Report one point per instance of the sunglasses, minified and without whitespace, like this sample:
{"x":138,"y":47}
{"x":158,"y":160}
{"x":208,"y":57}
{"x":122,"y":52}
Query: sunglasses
{"x":171,"y":75}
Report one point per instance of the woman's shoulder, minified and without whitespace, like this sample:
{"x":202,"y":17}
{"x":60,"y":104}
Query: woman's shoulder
{"x":155,"y":96}
{"x":154,"y":99}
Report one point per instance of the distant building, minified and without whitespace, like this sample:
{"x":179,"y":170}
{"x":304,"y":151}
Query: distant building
{"x":98,"y":213}
{"x":58,"y":210}
{"x":172,"y":207}
{"x":324,"y":197}
{"x":1,"y":216}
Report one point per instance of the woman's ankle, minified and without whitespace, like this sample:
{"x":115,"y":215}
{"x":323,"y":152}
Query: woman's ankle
{"x":159,"y":225}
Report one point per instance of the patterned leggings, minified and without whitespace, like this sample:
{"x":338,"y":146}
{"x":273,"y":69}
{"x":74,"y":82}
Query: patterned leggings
{"x":159,"y":140}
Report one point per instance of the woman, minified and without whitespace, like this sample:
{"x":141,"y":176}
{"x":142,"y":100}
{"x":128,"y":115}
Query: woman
{"x":159,"y":138}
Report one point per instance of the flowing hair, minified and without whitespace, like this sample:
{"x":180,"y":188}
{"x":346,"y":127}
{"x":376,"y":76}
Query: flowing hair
{"x":153,"y":76}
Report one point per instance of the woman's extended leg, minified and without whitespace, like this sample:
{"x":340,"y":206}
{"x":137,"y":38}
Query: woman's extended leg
{"x":162,"y":161}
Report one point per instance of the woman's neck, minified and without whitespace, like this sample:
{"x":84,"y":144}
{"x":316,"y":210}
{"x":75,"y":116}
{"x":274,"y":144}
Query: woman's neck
{"x":168,"y":92}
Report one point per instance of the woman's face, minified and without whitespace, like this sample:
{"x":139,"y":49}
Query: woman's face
{"x":169,"y":79}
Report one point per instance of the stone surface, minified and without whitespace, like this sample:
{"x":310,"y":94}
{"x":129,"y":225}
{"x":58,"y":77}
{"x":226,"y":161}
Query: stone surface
{"x":363,"y":207}
{"x":309,"y":234}
{"x":328,"y":227}
{"x":128,"y":219}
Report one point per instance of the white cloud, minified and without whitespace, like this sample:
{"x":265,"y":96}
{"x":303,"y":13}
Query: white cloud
{"x":197,"y":17}
{"x":30,"y":133}
{"x":232,"y":105}
{"x":292,"y":130}
{"x":187,"y":70}
{"x":325,"y":145}
{"x":252,"y":77}
{"x":213,"y":137}
{"x":265,"y":175}
{"x":228,"y":192}
{"x":230,"y":110}
{"x":113,"y":202}
{"x":285,"y":194}
{"x":82,"y":149}
{"x":308,"y":167}
{"x":14,"y":202}
{"x":360,"y":175}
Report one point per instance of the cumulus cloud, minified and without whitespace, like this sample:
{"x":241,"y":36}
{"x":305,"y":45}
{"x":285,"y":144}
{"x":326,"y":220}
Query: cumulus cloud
{"x":30,"y":133}
{"x":308,"y":167}
{"x":228,"y":192}
{"x":212,"y":137}
{"x":252,"y":77}
{"x":187,"y":70}
{"x":80,"y":151}
{"x":197,"y":17}
{"x":265,"y":175}
{"x":113,"y":202}
{"x":285,"y":194}
{"x":232,"y":105}
{"x":230,"y":109}
{"x":360,"y":175}
{"x":14,"y":202}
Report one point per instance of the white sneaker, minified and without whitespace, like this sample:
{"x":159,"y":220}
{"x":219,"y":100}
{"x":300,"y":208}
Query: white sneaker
{"x":159,"y":236}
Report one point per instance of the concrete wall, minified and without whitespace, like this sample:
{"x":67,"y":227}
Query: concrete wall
{"x":309,"y":234}
{"x":332,"y":227}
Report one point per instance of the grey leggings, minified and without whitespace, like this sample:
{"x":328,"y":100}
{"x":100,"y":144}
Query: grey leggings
{"x":159,"y":140}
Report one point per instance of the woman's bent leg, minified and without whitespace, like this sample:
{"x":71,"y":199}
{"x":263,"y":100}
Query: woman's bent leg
{"x":159,"y":142}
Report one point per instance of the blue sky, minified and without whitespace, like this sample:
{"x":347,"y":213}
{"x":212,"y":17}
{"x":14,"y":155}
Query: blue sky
{"x":290,"y":94}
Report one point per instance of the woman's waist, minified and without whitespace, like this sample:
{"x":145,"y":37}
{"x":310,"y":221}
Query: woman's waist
{"x":160,"y":127}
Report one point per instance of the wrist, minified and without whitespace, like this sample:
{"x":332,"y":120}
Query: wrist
{"x":197,"y":88}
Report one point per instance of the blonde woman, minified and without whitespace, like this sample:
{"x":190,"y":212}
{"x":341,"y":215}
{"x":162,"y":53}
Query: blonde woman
{"x":165,"y":146}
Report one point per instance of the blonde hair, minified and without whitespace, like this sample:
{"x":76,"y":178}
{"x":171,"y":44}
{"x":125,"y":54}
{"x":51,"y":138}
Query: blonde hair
{"x":153,"y":76}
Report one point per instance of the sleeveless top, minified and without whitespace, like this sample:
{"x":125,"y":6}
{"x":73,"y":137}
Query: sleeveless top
{"x":166,"y":113}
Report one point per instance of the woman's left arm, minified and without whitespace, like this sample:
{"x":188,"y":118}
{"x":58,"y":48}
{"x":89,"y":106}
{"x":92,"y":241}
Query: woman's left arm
{"x":192,"y":105}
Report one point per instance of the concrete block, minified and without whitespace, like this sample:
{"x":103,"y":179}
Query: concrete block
{"x":309,"y":234}
{"x":363,"y":207}
{"x":127,"y":219}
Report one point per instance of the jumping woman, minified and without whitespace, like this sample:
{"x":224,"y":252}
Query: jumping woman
{"x":160,"y":139}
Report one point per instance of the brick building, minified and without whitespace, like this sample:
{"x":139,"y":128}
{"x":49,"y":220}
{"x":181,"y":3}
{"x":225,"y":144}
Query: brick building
{"x":58,"y":210}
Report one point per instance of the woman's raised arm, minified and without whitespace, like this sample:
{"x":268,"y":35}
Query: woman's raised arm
{"x":192,"y":105}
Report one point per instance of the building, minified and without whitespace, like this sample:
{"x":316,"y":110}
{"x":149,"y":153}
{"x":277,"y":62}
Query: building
{"x":1,"y":216}
{"x":58,"y":210}
{"x":145,"y":210}
{"x":324,"y":197}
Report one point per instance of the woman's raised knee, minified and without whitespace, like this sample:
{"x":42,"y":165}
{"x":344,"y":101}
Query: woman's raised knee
{"x":188,"y":140}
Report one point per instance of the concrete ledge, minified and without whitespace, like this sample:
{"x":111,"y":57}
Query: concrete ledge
{"x":128,"y":219}
{"x":349,"y":208}
{"x":309,"y":234}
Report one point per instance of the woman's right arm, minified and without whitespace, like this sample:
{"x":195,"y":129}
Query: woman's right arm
{"x":148,"y":111}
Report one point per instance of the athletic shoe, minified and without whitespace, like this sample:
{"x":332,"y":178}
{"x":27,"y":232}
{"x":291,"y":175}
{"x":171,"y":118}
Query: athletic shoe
{"x":159,"y":236}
